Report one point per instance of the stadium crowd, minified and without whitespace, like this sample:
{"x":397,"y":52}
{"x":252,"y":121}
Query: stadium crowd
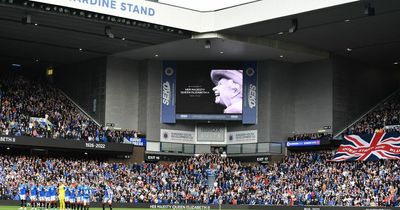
{"x":386,"y":116}
{"x":39,"y":110}
{"x":310,"y":136}
{"x":300,"y":179}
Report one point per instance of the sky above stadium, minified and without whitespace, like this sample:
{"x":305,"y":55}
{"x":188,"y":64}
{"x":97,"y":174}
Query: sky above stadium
{"x":205,"y":5}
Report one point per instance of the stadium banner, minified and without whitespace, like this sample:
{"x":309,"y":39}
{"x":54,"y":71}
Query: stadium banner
{"x":250,"y":93}
{"x":139,"y":142}
{"x":207,"y":133}
{"x":177,"y":136}
{"x":146,"y":11}
{"x":44,"y":122}
{"x":392,"y":127}
{"x":369,"y":147}
{"x":27,"y":141}
{"x":16,"y":203}
{"x":168,"y":89}
{"x":304,"y":143}
{"x":242,"y":137}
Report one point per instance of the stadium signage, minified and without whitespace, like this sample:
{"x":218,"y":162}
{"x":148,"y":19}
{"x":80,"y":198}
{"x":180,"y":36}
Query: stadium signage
{"x":252,"y":96}
{"x":262,"y":159}
{"x":115,"y":6}
{"x":250,"y":93}
{"x":166,"y":93}
{"x":242,"y":137}
{"x":33,"y":142}
{"x":210,"y":133}
{"x":223,"y":206}
{"x":168,"y":84}
{"x":153,"y":157}
{"x":179,"y":207}
{"x":177,"y":136}
{"x":139,"y":142}
{"x":303,"y":143}
{"x":7,"y":139}
{"x":198,"y":21}
{"x":95,"y":145}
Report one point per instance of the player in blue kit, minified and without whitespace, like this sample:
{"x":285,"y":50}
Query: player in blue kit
{"x":48,"y":195}
{"x":23,"y":189}
{"x":67,"y":196}
{"x":33,"y":194}
{"x":72,"y":196}
{"x":53,"y":195}
{"x":108,"y":196}
{"x":42,"y":196}
{"x":87,"y":192}
{"x":79,"y":198}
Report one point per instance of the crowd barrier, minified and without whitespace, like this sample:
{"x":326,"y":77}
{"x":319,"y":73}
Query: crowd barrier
{"x":241,"y":207}
{"x":26,"y":141}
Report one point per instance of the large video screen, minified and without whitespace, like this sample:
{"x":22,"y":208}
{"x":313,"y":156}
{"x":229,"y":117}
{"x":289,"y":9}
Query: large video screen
{"x":209,"y":88}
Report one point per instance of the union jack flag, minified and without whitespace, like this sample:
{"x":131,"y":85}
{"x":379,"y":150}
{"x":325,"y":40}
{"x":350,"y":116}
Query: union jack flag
{"x":369,"y":147}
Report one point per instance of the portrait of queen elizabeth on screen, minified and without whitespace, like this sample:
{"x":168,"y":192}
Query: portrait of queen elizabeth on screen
{"x":228,"y":89}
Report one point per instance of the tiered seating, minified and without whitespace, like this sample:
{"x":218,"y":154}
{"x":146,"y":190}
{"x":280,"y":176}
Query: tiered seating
{"x":39,"y":110}
{"x":386,"y":116}
{"x":300,"y":179}
{"x":310,"y":136}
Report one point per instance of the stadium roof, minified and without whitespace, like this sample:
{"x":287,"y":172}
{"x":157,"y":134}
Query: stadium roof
{"x":206,"y":5}
{"x":344,"y":29}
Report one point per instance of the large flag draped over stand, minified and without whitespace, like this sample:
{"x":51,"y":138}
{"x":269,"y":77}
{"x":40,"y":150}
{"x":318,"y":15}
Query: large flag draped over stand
{"x":369,"y":147}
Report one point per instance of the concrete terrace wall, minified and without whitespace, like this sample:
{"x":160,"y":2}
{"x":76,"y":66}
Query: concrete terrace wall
{"x":83,"y":82}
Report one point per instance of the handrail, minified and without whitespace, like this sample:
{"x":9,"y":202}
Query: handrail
{"x":79,"y":108}
{"x":362,"y":116}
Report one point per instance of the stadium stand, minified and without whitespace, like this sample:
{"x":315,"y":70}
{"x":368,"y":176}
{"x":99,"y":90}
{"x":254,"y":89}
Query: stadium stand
{"x":310,"y":136}
{"x":32,"y":108}
{"x":384,"y":117}
{"x":234,"y":81}
{"x":306,"y":178}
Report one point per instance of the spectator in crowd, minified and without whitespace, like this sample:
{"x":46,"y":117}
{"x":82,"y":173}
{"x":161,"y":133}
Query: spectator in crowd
{"x":300,"y":179}
{"x":39,"y":110}
{"x":310,"y":136}
{"x":386,"y":116}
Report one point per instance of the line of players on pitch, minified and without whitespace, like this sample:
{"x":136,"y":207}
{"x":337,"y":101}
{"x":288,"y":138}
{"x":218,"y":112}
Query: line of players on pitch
{"x":73,"y":197}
